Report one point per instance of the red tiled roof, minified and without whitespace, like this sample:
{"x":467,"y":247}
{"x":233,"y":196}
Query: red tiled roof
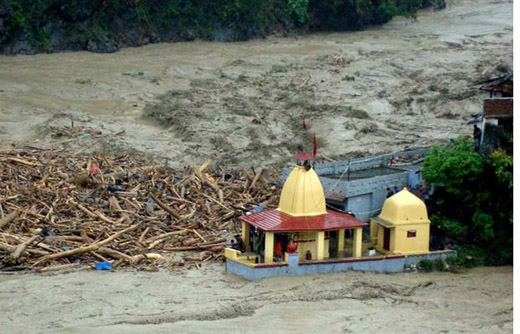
{"x":498,"y":107}
{"x":335,"y":196}
{"x":276,"y":221}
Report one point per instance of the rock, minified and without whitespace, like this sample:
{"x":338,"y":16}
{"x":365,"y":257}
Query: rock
{"x":102,"y":44}
{"x":56,"y":38}
{"x":22,"y":47}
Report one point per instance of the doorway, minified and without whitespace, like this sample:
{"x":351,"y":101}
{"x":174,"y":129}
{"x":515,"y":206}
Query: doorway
{"x":333,"y":244}
{"x":386,"y":239}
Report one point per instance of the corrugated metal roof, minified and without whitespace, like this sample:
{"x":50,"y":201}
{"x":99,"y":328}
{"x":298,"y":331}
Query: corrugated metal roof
{"x":276,"y":221}
{"x":498,"y":107}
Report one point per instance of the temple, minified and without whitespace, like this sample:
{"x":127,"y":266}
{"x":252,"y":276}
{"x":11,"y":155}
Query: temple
{"x":303,"y":236}
{"x":302,"y":219}
{"x":403,"y":226}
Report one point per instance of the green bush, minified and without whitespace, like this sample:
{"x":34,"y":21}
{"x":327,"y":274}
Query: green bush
{"x":425,"y":265}
{"x":440,"y":265}
{"x":472,"y":207}
{"x":298,"y":8}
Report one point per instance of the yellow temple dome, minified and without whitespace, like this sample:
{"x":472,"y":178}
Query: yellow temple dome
{"x":404,"y":208}
{"x":302,"y":193}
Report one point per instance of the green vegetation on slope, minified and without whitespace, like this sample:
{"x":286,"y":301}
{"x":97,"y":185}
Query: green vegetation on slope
{"x":28,"y":26}
{"x":472,"y":207}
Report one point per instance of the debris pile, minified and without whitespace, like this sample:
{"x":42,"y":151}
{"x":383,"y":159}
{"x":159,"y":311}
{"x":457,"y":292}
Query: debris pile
{"x":405,"y":159}
{"x":60,"y":210}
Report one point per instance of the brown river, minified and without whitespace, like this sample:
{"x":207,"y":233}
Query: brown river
{"x":402,"y":85}
{"x":405,"y":84}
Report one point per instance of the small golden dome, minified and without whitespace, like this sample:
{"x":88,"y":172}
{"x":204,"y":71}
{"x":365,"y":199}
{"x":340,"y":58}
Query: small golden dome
{"x":404,"y":208}
{"x":302,"y":194}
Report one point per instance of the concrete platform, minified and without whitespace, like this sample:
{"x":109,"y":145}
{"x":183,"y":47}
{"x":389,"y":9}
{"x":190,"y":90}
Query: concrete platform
{"x":380,"y":264}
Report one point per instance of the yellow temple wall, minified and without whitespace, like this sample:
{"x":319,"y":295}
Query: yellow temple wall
{"x":400,"y":243}
{"x":418,"y":244}
{"x":309,"y":243}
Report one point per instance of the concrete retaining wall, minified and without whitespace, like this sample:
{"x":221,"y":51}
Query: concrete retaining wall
{"x":388,"y":264}
{"x":365,"y":197}
{"x":338,"y":167}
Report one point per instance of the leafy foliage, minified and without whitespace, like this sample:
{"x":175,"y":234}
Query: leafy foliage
{"x":453,"y":167}
{"x":503,"y":165}
{"x":425,"y":265}
{"x":77,"y":21}
{"x":473,"y":202}
{"x":299,"y":8}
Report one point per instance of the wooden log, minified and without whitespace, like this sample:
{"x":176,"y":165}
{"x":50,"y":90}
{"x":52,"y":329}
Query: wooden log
{"x":58,"y":267}
{"x":164,"y":206}
{"x":21,"y":247}
{"x":114,"y":204}
{"x":114,"y":253}
{"x":92,"y":214}
{"x":200,"y":236}
{"x":227,"y":216}
{"x":216,"y":202}
{"x":21,"y":161}
{"x":10,"y":249}
{"x":204,"y":165}
{"x":99,"y":257}
{"x":9,"y":218}
{"x":192,"y":248}
{"x":126,"y":193}
{"x":204,"y":179}
{"x":141,"y":238}
{"x":191,"y":241}
{"x":255,"y":180}
{"x":85,"y":249}
{"x":66,"y":238}
{"x":165,"y":235}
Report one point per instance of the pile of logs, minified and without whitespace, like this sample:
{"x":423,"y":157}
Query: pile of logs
{"x":58,"y":210}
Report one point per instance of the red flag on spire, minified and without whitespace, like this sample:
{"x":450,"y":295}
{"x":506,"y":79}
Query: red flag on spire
{"x":314,"y":147}
{"x":304,"y":126}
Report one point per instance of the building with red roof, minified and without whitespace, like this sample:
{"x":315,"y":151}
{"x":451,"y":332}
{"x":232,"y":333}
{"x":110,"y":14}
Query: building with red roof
{"x":300,"y":222}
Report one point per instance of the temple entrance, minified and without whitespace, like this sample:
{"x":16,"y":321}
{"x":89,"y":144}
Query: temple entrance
{"x":386,"y":239}
{"x":333,"y":243}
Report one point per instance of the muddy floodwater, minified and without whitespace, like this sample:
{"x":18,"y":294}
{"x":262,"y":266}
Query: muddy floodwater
{"x":402,"y":85}
{"x":405,"y":84}
{"x":211,"y":301}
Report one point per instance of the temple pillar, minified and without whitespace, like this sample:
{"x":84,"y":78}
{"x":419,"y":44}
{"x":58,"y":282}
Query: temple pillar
{"x":245,"y":235}
{"x":269,"y":247}
{"x":341,"y":243}
{"x":320,"y":245}
{"x":356,"y":242}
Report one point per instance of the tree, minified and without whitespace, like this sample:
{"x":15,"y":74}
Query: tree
{"x":472,"y":204}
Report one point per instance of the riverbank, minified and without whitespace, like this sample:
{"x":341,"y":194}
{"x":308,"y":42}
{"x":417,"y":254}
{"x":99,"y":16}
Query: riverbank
{"x":108,"y":26}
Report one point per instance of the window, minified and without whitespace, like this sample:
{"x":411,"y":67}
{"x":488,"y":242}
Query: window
{"x":411,"y":234}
